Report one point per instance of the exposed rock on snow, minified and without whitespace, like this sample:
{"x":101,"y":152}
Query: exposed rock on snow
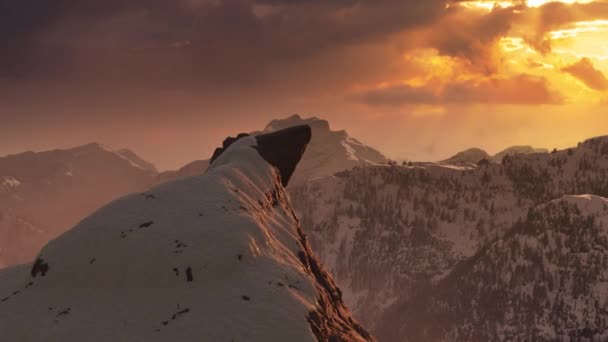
{"x":218,"y":257}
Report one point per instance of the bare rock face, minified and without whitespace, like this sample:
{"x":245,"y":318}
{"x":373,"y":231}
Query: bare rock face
{"x":218,"y":257}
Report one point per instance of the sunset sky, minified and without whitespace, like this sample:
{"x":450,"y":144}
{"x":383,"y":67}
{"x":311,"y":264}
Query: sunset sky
{"x":417,"y":79}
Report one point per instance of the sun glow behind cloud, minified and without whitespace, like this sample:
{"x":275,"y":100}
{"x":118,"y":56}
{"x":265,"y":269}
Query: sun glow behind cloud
{"x":529,"y":49}
{"x":491,"y":4}
{"x":538,"y":3}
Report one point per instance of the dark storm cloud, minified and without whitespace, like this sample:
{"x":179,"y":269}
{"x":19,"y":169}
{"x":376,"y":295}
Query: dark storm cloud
{"x":177,"y":40}
{"x":520,"y":89}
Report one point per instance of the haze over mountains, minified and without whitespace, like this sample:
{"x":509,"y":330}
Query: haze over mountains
{"x":328,"y":152}
{"x":423,"y":251}
{"x":42,"y":194}
{"x":475,"y":155}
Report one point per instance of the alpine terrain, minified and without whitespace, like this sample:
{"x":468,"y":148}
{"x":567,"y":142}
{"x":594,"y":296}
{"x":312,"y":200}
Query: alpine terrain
{"x":217,"y":257}
{"x":494,"y":251}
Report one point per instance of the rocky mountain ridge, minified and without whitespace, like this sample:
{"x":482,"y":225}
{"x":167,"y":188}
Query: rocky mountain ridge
{"x":219,"y":256}
{"x":41,"y":194}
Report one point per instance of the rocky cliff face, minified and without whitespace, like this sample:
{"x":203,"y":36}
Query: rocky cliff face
{"x":387,"y":233}
{"x":217,"y":257}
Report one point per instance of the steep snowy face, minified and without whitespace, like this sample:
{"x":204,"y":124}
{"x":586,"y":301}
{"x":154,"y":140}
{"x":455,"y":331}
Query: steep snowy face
{"x":217,"y":257}
{"x":545,"y":280}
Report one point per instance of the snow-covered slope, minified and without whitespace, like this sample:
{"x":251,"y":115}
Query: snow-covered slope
{"x":216,"y":257}
{"x":41,"y":194}
{"x":387,"y":232}
{"x":136,"y":160}
{"x":545,"y":280}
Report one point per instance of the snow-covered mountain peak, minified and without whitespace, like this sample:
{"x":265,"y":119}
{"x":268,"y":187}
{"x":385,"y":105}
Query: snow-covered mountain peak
{"x":470,"y":156}
{"x":296,"y":120}
{"x":219,"y":257}
{"x":329,"y":151}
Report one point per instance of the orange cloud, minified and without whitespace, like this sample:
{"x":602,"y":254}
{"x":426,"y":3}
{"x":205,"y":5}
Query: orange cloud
{"x":555,"y":15}
{"x":588,"y":74}
{"x":520,"y":90}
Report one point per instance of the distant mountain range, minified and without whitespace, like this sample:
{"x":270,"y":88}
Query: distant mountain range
{"x":42,"y":194}
{"x":397,"y":238}
{"x":328,"y":152}
{"x":475,"y":155}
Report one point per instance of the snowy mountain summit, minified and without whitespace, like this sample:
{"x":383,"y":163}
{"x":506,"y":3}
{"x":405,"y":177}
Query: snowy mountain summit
{"x":329,"y":151}
{"x":216,"y":257}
